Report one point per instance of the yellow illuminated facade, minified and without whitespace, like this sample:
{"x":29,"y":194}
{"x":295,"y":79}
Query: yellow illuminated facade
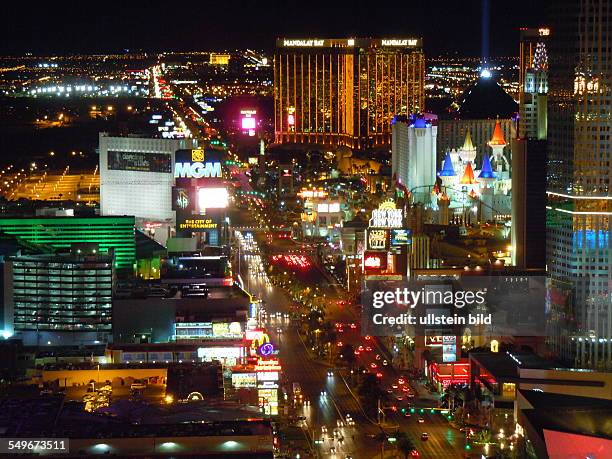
{"x":345,"y":91}
{"x":219,"y":59}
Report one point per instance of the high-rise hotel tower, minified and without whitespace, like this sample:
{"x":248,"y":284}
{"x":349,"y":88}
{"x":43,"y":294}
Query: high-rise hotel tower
{"x":345,"y":91}
{"x":579,"y":211}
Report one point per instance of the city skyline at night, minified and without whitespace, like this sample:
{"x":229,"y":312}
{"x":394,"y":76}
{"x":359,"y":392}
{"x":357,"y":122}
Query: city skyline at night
{"x":306,"y":230}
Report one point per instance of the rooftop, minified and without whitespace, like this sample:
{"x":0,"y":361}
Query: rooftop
{"x":571,"y":414}
{"x":505,"y":365}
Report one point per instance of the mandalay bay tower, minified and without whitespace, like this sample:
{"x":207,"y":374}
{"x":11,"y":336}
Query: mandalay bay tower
{"x":345,"y":91}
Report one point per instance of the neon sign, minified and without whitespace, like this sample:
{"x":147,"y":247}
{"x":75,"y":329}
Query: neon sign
{"x":377,"y":239}
{"x":386,"y":218}
{"x":266,"y":349}
{"x":402,"y":42}
{"x":268,"y":365}
{"x":197,"y":170}
{"x":372,"y":262}
{"x":304,"y":43}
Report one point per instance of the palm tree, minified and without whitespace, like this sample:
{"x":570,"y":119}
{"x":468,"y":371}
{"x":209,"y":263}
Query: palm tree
{"x":405,"y":445}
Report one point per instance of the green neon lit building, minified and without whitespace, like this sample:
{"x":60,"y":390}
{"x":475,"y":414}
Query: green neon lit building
{"x":116,"y":233}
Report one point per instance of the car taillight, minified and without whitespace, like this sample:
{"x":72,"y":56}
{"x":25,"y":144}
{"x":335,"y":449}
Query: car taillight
{"x":228,"y":281}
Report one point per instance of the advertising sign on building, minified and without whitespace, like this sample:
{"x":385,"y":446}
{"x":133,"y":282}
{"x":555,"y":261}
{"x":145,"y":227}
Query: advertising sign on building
{"x":378,"y":239}
{"x":195,"y":223}
{"x":195,"y":164}
{"x":387,"y":216}
{"x":433,"y":340}
{"x":401,"y":237}
{"x":139,"y":161}
{"x":243,"y":380}
{"x":374,"y":262}
{"x":182,"y":199}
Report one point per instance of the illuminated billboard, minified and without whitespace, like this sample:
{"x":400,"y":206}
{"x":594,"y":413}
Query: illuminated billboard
{"x":401,"y":236}
{"x":196,"y":164}
{"x":207,"y":330}
{"x":244,"y":380}
{"x":212,"y":198}
{"x":374,"y":262}
{"x":195,"y":223}
{"x":268,"y":376}
{"x":182,"y":199}
{"x":197,"y":170}
{"x":227,"y":355}
{"x":378,"y":239}
{"x":248,"y":123}
{"x":138,"y":161}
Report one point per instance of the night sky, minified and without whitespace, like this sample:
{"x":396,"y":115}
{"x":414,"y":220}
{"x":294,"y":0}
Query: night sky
{"x":447,"y":26}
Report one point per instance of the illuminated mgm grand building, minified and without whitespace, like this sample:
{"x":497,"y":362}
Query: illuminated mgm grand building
{"x":345,"y":91}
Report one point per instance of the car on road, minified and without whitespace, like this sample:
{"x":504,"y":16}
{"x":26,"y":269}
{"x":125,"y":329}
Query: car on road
{"x":353,"y":326}
{"x":373,"y":365}
{"x":330,"y":373}
{"x":421,"y":420}
{"x":401,"y":381}
{"x":368,"y":349}
{"x":385,"y":363}
{"x":360,"y":349}
{"x":279,"y":330}
{"x":138,"y":385}
{"x":424,"y":436}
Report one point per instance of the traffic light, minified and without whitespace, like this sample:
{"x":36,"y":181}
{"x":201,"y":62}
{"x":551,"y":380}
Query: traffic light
{"x":468,"y":447}
{"x":412,"y":410}
{"x":432,"y":411}
{"x":421,"y":410}
{"x":403,"y":410}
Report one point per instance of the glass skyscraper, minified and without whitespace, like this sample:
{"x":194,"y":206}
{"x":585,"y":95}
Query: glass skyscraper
{"x":579,"y":209}
{"x":345,"y":91}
